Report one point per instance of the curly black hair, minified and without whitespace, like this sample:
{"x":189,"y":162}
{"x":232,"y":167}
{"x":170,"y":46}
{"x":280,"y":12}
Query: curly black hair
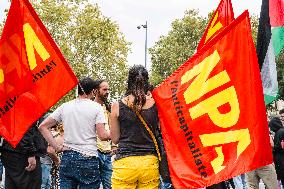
{"x":138,"y":85}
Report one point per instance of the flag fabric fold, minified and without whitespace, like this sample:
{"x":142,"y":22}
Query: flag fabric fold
{"x":270,"y":42}
{"x":217,"y":126}
{"x":51,"y":75}
{"x":221,"y":18}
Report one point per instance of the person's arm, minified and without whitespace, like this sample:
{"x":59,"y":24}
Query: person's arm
{"x":114,"y":124}
{"x":52,"y":154}
{"x":102,"y":133}
{"x":28,"y":141}
{"x":44,"y":128}
{"x":271,"y":138}
{"x":100,"y":121}
{"x":31,"y":149}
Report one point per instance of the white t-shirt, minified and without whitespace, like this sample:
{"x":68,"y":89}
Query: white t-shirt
{"x":79,"y":118}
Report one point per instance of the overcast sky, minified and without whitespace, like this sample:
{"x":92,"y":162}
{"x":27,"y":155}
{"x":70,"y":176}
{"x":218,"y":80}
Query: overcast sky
{"x":159,"y":15}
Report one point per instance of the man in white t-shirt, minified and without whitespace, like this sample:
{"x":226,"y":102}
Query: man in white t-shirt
{"x":83,"y":121}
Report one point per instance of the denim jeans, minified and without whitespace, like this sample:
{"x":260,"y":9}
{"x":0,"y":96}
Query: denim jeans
{"x":45,"y":181}
{"x":1,"y":169}
{"x":240,"y":181}
{"x":165,"y":185}
{"x":79,"y":171}
{"x":105,"y":168}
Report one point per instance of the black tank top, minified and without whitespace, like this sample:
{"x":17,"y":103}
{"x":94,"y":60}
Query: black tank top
{"x":134,"y":138}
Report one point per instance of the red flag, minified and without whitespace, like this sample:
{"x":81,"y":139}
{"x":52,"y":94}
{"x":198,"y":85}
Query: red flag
{"x":15,"y":74}
{"x":51,"y":75}
{"x":212,"y":113}
{"x":221,"y":18}
{"x":276,"y":13}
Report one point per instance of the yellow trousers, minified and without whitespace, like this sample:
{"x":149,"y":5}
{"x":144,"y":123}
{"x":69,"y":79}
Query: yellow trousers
{"x":136,"y":172}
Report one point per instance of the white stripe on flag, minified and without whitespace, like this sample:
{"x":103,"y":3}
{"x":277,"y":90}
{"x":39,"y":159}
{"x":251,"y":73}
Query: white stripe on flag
{"x":269,"y":73}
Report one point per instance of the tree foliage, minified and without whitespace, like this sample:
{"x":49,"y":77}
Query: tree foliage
{"x":254,"y":27}
{"x":172,"y":50}
{"x":91,"y":42}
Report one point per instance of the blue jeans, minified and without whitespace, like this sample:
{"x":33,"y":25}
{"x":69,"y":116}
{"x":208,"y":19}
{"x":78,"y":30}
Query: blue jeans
{"x":77,"y":170}
{"x":45,"y":181}
{"x":1,"y":169}
{"x":105,"y":168}
{"x":240,"y":181}
{"x":165,"y":185}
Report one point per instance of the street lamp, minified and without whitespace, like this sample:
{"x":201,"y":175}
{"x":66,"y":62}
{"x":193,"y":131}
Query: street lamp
{"x":144,"y":26}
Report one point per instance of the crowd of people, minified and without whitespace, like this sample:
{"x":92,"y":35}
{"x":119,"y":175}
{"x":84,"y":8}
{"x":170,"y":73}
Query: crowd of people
{"x":88,"y":143}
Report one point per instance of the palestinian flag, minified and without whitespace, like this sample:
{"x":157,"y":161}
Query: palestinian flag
{"x":270,"y":42}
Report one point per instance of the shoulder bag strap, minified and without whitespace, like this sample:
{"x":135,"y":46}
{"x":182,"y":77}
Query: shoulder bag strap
{"x":150,"y":132}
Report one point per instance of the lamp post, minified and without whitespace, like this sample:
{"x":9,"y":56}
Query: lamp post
{"x":145,"y":26}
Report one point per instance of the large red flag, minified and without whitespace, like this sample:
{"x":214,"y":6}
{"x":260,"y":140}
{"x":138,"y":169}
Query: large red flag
{"x":212,"y":113}
{"x":51,"y":75}
{"x":221,"y":18}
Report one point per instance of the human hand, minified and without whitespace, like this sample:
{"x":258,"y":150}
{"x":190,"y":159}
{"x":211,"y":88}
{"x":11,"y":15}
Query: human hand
{"x":56,"y":160}
{"x":50,"y":150}
{"x":282,"y":144}
{"x":59,"y":148}
{"x":32,"y":164}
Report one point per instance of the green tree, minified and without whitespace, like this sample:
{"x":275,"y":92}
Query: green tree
{"x":254,"y":27}
{"x":174,"y":49}
{"x":91,"y":42}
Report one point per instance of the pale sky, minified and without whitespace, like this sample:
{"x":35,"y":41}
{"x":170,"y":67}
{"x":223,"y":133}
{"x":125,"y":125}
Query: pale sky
{"x":159,"y":14}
